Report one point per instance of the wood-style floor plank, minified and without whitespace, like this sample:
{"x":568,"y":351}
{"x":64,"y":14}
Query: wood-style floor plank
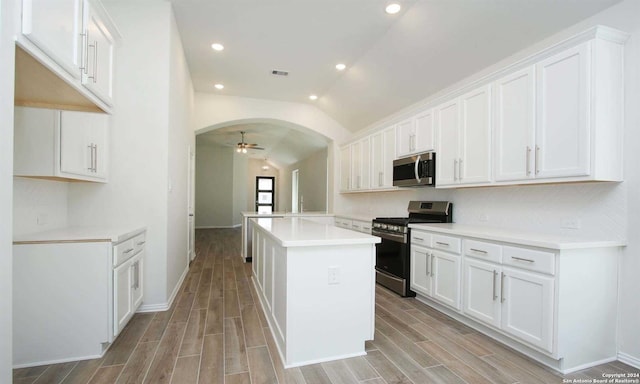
{"x":215,"y":332}
{"x":261,"y":366}
{"x":55,"y":373}
{"x":212,"y":361}
{"x":82,"y":372}
{"x":136,"y":368}
{"x":235,"y":353}
{"x":192,"y":341}
{"x":186,"y":371}
{"x":166,"y":354}
{"x":107,"y":375}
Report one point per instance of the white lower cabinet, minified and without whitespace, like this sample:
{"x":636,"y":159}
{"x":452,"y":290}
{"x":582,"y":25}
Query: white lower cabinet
{"x":128,"y":292}
{"x":73,"y":296}
{"x":435,"y":273}
{"x":556,"y":304}
{"x":518,"y":302}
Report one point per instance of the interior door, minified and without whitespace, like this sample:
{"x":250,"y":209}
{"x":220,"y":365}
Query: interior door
{"x":191,"y":233}
{"x":265,"y":194}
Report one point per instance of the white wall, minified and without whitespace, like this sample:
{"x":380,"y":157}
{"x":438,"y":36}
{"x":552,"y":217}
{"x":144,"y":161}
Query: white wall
{"x":39,"y":205}
{"x":214,"y":185}
{"x":146,"y":134}
{"x":7,"y":60}
{"x":609,"y":210}
{"x":240,"y":188}
{"x":312,"y":182}
{"x":181,"y":137}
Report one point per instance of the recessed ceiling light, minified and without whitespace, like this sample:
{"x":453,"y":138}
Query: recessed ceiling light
{"x":219,"y":86}
{"x":217,"y":47}
{"x":313,"y":97}
{"x":392,"y":8}
{"x":340,"y":67}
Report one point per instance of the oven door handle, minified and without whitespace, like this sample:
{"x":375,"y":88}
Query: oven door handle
{"x":399,"y":238}
{"x":416,"y":166}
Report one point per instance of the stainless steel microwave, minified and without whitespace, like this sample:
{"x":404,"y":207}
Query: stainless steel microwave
{"x":415,"y":171}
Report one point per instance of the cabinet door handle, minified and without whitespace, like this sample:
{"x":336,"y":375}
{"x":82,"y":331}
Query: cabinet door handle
{"x":358,"y":181}
{"x":91,"y":157}
{"x":521,"y":259}
{"x":380,"y":182}
{"x":432,"y":257}
{"x":455,"y":170}
{"x":85,"y":54}
{"x":128,"y":250}
{"x":502,"y":287}
{"x":478,"y":250}
{"x":528,"y":160}
{"x":141,"y":242}
{"x":537,"y":159}
{"x":95,"y":156}
{"x":427,"y":265}
{"x":495,"y":275}
{"x":418,"y":238}
{"x":460,"y":169}
{"x":443,"y":244}
{"x":94,"y":77}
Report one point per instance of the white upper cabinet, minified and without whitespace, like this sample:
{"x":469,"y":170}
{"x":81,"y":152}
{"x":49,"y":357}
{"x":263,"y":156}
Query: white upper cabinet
{"x":415,"y":135}
{"x":345,"y":168}
{"x":448,"y":119}
{"x":98,"y":54}
{"x":464,"y":145}
{"x":563,"y":135}
{"x":55,"y":26}
{"x":62,"y":145}
{"x":74,"y":40}
{"x":360,"y":164}
{"x":383,"y":150}
{"x":514,"y":126}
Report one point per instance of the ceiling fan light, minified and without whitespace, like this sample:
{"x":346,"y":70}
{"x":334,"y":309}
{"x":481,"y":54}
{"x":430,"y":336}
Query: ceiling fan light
{"x":238,"y":149}
{"x":244,"y":150}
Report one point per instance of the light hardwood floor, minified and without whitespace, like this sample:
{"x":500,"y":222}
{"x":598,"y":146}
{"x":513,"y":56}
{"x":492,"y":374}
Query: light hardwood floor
{"x":216,"y":333}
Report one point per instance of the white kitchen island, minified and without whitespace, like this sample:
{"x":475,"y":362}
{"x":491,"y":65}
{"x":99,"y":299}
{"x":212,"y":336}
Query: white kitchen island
{"x":316,"y":284}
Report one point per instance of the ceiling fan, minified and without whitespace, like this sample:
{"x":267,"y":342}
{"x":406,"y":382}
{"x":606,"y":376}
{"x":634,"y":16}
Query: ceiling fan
{"x":243,"y":146}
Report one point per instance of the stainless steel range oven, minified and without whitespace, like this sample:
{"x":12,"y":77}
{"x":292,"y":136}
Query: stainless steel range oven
{"x":393,"y":253}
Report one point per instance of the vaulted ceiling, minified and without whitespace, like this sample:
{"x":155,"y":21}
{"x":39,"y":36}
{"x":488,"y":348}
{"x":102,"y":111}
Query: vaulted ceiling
{"x":392,"y":61}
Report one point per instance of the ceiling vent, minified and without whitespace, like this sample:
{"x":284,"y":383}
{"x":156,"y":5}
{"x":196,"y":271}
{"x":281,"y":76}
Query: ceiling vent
{"x":279,"y":73}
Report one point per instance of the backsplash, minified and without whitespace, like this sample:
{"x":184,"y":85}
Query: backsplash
{"x":38,"y":205}
{"x":578,"y":209}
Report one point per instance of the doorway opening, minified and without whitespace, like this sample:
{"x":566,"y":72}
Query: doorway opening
{"x":294,"y":191}
{"x":265,"y":193}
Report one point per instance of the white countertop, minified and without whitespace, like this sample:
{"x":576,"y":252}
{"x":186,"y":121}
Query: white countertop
{"x":355,"y":217}
{"x":520,"y":237}
{"x":287,"y":214}
{"x":79,"y":235}
{"x":298,"y":232}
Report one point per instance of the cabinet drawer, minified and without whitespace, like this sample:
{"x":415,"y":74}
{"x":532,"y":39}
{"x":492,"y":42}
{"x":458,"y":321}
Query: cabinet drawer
{"x":421,"y":238}
{"x":530,"y":259}
{"x":123,"y":251}
{"x":446,"y":243}
{"x":483,"y":250}
{"x":138,"y":243}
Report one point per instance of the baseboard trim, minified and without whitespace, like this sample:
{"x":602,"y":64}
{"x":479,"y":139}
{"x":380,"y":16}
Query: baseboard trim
{"x":629,"y":360}
{"x":57,"y":361}
{"x":164,"y":306}
{"x":219,"y":226}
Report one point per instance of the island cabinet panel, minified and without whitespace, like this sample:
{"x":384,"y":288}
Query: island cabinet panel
{"x":318,"y":294}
